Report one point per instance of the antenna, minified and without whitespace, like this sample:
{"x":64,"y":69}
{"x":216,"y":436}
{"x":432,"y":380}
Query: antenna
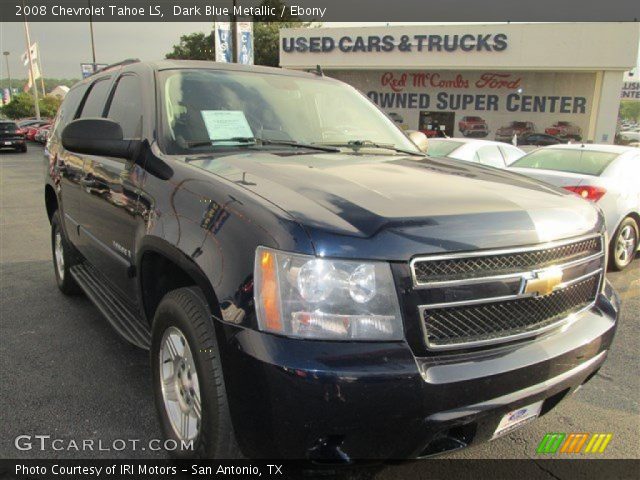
{"x":319,"y":71}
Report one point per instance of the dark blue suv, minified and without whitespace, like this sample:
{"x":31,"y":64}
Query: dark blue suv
{"x":309,"y":283}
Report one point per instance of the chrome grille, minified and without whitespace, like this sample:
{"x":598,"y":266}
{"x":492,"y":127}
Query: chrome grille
{"x":446,"y":327}
{"x":438,"y":269}
{"x":480,"y":298}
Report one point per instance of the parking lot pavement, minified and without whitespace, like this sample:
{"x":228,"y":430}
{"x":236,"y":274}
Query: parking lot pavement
{"x":66,"y":373}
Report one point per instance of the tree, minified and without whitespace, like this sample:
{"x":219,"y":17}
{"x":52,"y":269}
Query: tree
{"x":22,"y":105}
{"x":194,"y":46}
{"x":266,"y":39}
{"x":49,"y":83}
{"x":630,"y":110}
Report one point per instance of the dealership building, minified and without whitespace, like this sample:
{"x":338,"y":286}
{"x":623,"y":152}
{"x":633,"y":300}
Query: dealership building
{"x":486,"y":81}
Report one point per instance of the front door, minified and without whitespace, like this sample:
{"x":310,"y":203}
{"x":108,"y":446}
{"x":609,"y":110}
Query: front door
{"x":112,"y":186}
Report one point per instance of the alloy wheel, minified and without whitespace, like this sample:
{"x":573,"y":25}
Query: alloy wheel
{"x":59,"y":254}
{"x":180,"y":386}
{"x":625,"y":245}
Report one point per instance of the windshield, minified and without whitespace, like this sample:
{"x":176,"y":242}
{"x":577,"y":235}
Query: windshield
{"x":8,"y":127}
{"x":567,"y":160}
{"x":442,"y":148}
{"x":205,"y":110}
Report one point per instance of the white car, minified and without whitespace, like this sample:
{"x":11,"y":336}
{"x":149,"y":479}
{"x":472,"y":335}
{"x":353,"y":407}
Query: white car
{"x":486,"y":152}
{"x":606,"y":174}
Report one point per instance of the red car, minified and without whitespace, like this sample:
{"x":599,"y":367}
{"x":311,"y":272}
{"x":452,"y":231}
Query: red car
{"x":473,"y":127}
{"x":564,"y":130}
{"x":32,"y":130}
{"x":42,"y":134}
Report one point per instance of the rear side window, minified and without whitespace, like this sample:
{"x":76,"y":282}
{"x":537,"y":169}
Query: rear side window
{"x":126,"y":106}
{"x":566,"y":160}
{"x":490,"y":155}
{"x":94,"y":103}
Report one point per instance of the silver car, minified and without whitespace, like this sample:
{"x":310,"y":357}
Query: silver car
{"x":606,"y":174}
{"x":495,"y":154}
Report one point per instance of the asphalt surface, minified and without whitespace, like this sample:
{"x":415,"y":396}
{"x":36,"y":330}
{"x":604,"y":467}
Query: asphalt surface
{"x":66,"y":373}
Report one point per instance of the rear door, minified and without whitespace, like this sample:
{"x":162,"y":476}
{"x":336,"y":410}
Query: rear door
{"x":111,"y":187}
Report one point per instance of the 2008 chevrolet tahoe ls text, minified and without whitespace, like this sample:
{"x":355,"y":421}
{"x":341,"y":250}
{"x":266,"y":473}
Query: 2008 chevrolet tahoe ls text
{"x":309,"y":284}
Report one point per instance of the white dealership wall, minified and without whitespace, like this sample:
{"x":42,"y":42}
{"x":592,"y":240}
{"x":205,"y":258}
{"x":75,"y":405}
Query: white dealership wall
{"x":581,"y":61}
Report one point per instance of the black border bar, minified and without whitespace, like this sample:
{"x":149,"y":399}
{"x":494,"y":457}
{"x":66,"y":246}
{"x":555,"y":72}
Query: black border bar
{"x":323,"y":10}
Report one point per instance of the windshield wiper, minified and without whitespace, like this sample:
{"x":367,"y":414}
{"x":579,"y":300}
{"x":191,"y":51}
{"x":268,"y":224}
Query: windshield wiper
{"x":250,"y":141}
{"x":293,"y":143}
{"x":204,"y":143}
{"x":358,"y":144}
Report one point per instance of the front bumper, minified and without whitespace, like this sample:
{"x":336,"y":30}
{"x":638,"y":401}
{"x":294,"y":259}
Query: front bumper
{"x":343,"y":401}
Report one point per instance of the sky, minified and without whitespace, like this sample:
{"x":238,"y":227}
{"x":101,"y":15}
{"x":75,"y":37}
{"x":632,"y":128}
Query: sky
{"x":65,"y":45}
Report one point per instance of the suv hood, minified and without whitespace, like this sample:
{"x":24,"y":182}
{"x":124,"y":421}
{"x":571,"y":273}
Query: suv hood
{"x":393,"y":207}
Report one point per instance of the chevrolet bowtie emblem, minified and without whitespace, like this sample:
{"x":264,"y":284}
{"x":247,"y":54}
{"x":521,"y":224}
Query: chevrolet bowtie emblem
{"x":543,"y":282}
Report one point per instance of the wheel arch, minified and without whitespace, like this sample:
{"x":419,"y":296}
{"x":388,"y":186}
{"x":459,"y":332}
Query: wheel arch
{"x":162,"y":267}
{"x":50,"y":201}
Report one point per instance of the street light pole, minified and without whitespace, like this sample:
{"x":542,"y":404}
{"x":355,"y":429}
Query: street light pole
{"x":33,"y":80}
{"x":93,"y":45}
{"x":234,"y":35}
{"x":6,"y":58}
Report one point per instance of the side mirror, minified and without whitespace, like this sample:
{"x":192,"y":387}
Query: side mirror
{"x":419,"y":139}
{"x":97,"y":136}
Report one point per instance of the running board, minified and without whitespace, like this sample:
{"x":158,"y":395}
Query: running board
{"x":122,"y":318}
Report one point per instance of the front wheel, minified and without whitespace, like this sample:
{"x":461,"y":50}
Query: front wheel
{"x":188,"y":384}
{"x":624,"y":244}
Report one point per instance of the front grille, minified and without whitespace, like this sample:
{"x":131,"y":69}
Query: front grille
{"x":444,"y":269}
{"x":483,"y":323}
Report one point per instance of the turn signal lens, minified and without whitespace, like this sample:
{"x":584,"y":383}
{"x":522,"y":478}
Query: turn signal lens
{"x":269,"y":292}
{"x":588,"y":192}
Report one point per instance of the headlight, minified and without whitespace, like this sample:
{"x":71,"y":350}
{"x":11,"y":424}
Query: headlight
{"x":309,"y":297}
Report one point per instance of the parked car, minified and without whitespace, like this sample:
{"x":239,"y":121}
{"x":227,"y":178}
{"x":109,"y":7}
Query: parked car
{"x":305,"y":292}
{"x":472,"y":126}
{"x":563,"y":129}
{"x":495,"y":154}
{"x":539,"y":139}
{"x":608,"y":175}
{"x":32,"y":121}
{"x":32,"y":129}
{"x":521,"y":129}
{"x":11,"y":137}
{"x":629,"y":138}
{"x":42,"y":133}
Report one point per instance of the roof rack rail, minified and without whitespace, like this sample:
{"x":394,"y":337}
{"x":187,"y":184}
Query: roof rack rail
{"x":128,"y":61}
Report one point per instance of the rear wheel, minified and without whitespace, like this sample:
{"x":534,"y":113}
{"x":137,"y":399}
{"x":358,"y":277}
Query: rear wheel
{"x":63,"y":258}
{"x":624,"y":244}
{"x":188,"y":384}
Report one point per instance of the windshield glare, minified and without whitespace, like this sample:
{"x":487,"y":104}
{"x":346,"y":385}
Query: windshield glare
{"x":267,"y":106}
{"x":567,"y":160}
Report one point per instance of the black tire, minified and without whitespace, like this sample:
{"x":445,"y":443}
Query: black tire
{"x":23,"y":149}
{"x":628,"y":226}
{"x":186,"y":309}
{"x":66,"y":283}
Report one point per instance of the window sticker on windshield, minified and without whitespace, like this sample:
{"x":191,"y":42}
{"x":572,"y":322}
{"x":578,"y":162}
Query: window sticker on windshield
{"x":226,"y":124}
